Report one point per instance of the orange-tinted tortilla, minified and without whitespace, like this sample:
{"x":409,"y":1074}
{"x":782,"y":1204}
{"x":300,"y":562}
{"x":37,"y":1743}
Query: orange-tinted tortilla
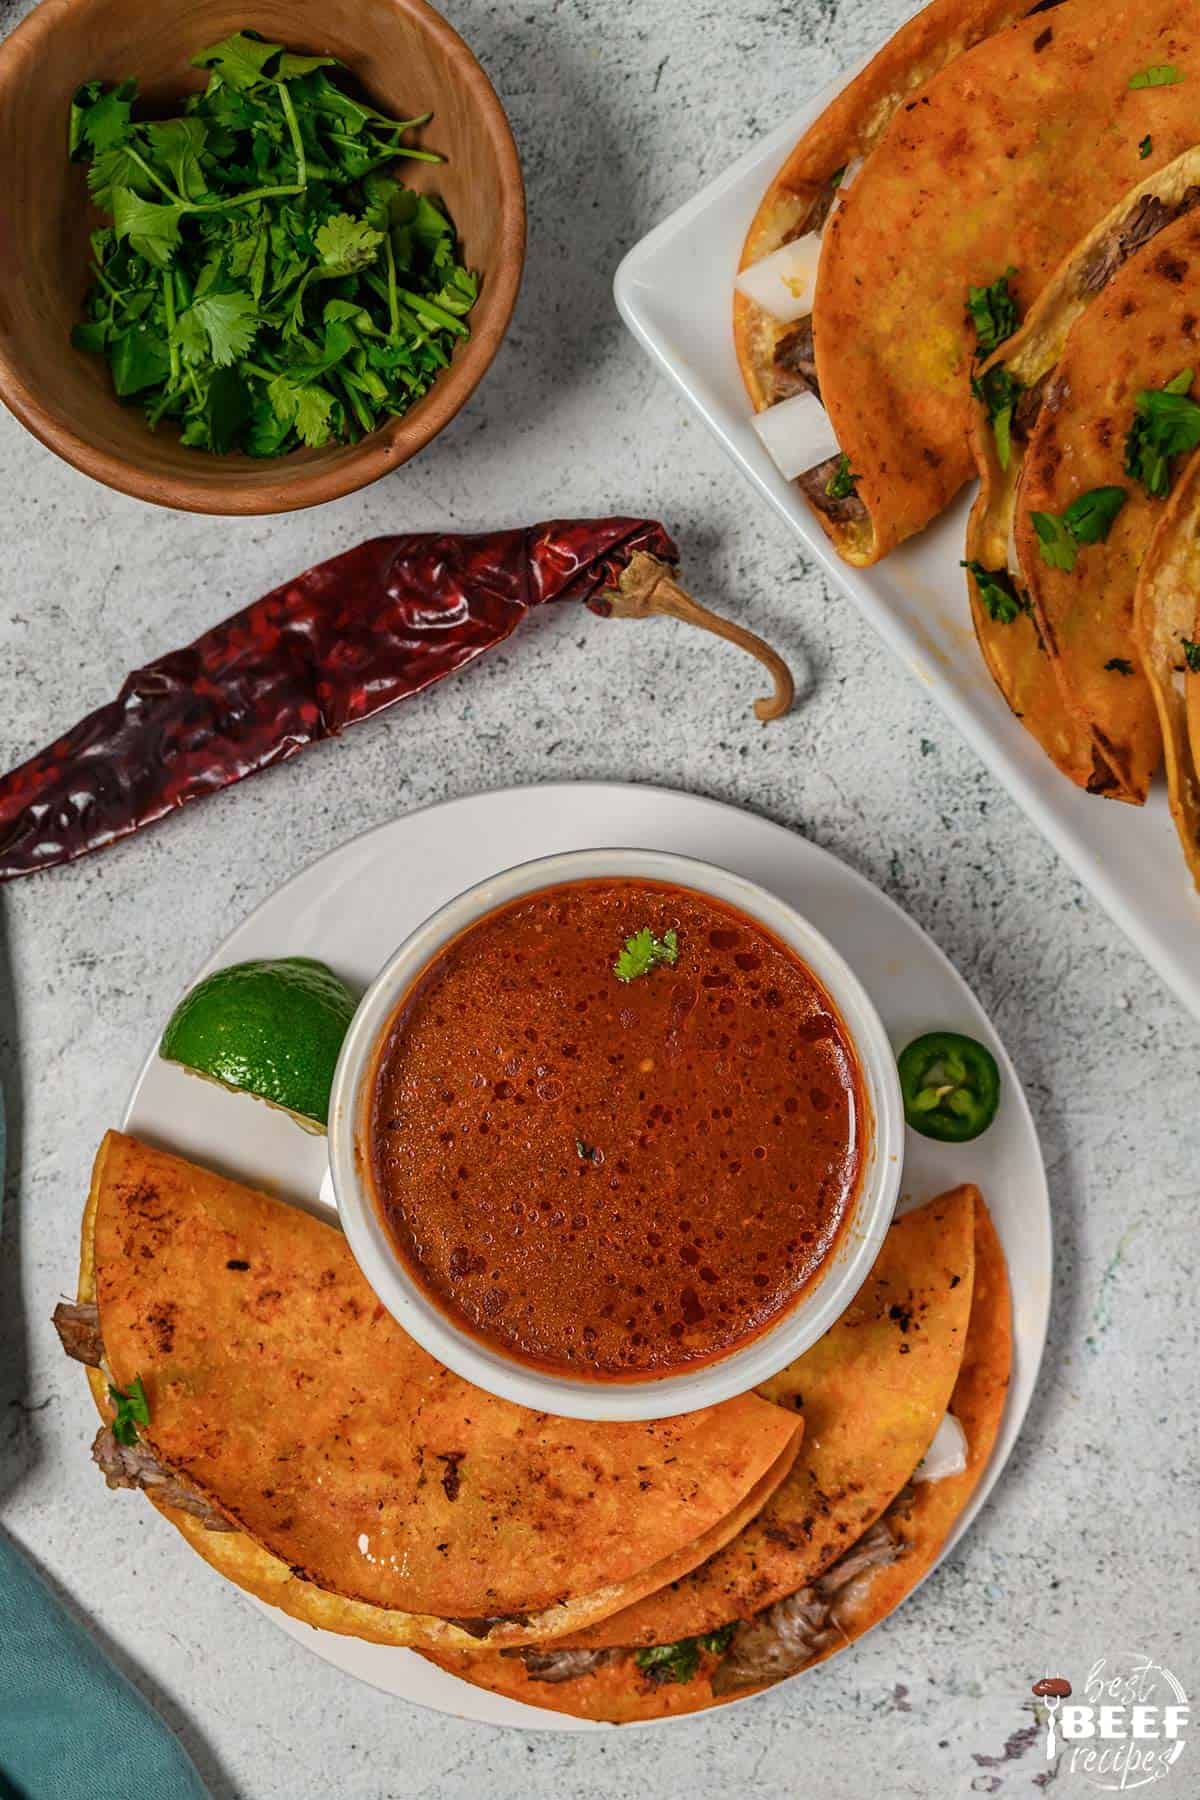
{"x":284,"y":1392}
{"x":920,"y":1521}
{"x":871,"y":1392}
{"x":1061,"y":662}
{"x":1167,"y":610}
{"x":1002,"y":161}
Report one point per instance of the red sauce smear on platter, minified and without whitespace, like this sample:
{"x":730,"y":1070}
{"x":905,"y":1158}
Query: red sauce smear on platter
{"x":615,"y":1179}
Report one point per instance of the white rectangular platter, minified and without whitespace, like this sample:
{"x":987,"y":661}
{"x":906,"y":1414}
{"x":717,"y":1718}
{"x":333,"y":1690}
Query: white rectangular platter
{"x":675,"y":291}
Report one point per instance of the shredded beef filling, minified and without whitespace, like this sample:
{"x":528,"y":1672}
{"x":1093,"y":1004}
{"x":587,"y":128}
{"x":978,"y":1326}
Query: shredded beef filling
{"x":795,"y":368}
{"x":78,"y":1326}
{"x":549,"y":1664}
{"x":813,"y":484}
{"x":127,"y":1465}
{"x":136,"y":1466}
{"x":786,"y":1636}
{"x":1143,"y":221}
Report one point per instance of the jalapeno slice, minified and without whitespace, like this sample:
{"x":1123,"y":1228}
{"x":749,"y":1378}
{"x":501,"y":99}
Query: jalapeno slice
{"x":951,"y":1086}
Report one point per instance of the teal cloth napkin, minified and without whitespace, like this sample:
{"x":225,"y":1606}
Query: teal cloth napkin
{"x":71,"y":1726}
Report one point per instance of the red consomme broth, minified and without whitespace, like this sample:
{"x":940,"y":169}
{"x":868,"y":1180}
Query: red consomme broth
{"x":615,"y":1179}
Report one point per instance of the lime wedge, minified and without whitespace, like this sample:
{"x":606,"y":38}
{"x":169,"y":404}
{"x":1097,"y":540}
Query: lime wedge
{"x":272,"y":1029}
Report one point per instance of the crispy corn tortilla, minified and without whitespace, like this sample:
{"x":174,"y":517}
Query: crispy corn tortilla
{"x":1001,"y":161}
{"x":871,"y":1393}
{"x":361,"y":1472}
{"x":1102,"y":329}
{"x":920,"y":1521}
{"x":1166,"y":611}
{"x":845,"y":132}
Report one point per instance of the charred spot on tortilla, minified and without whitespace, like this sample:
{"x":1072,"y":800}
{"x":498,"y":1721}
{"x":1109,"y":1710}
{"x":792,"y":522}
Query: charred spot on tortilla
{"x":1119,"y":665}
{"x":451,"y":1479}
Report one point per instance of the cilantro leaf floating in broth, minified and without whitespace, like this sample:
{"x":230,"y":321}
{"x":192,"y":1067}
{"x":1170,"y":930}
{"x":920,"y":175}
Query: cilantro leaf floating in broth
{"x":643,"y":951}
{"x":265,"y":281}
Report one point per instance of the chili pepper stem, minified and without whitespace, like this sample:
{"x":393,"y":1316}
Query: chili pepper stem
{"x":647,"y":587}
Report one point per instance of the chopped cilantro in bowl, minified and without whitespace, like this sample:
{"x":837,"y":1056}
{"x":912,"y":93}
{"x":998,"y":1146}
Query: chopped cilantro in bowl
{"x":266,"y":281}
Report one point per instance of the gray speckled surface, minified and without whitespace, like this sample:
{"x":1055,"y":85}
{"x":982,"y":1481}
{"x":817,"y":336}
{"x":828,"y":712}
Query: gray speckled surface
{"x":622,"y":110}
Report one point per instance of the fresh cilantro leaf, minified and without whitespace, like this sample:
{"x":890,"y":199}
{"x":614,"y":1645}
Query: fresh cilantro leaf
{"x":291,"y":66}
{"x":138,"y":360}
{"x":998,"y":593}
{"x":1157,"y":75}
{"x":643,"y":951}
{"x":268,"y":433}
{"x":1166,"y":423}
{"x":680,"y":1662}
{"x":100,"y":120}
{"x":179,"y":144}
{"x":152,"y":230}
{"x":228,"y":322}
{"x":1119,"y":665}
{"x":1089,"y":518}
{"x":843,"y":482}
{"x":345,"y":243}
{"x":113,"y":169}
{"x":998,"y":392}
{"x":308,"y":408}
{"x":239,"y":59}
{"x":1055,"y":543}
{"x":226,"y":409}
{"x":669,"y":1662}
{"x":1145,"y":147}
{"x":1191,"y":655}
{"x":993,"y":312}
{"x":90,"y":334}
{"x":133,"y":1409}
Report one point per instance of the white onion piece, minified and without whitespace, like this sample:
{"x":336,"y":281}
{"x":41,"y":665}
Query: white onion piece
{"x":785,"y":282}
{"x":797,"y":433}
{"x":947,"y":1455}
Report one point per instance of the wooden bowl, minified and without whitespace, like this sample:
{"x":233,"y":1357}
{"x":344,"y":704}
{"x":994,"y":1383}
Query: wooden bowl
{"x":407,"y":59}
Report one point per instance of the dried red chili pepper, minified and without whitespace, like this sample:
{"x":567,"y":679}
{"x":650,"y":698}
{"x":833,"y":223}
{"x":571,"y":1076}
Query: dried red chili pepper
{"x":338,"y":644}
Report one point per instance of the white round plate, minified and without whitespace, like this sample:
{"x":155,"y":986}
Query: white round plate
{"x":353,"y":907}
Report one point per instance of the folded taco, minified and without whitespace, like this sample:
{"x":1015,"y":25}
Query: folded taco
{"x":253,"y":1386}
{"x":773,"y":301}
{"x":1167,"y":624}
{"x":982,"y":181}
{"x":1070,"y":418}
{"x":865,"y":1580}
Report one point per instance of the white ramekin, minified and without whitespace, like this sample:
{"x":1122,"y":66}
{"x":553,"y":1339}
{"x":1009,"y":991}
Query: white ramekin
{"x":822,"y":1301}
